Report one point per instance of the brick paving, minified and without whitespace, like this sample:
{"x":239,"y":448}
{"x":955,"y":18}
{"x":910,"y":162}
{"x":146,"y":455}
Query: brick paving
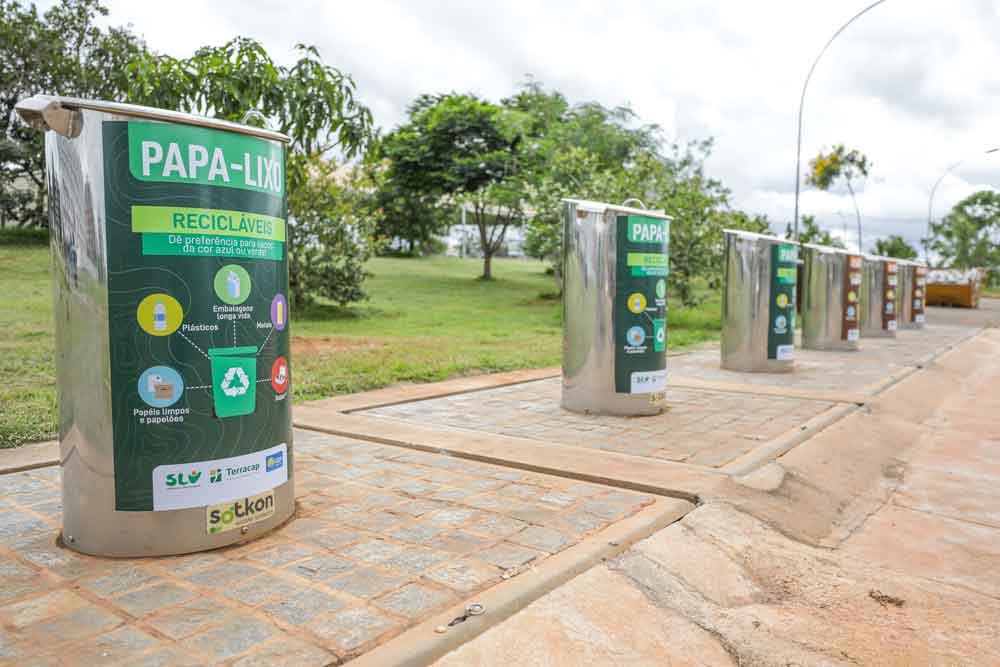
{"x":700,"y":427}
{"x":817,"y":370}
{"x":383,"y":538}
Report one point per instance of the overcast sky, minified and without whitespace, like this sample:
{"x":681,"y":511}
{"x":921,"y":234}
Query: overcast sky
{"x":913,"y":84}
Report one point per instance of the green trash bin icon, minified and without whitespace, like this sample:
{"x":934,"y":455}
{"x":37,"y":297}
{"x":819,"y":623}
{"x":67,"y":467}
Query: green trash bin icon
{"x":234,"y":380}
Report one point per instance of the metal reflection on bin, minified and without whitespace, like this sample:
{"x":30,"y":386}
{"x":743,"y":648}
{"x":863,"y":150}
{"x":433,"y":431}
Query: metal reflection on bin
{"x":831,"y":298}
{"x":615,"y":272}
{"x":880,"y":287}
{"x":758,"y":302}
{"x":168,"y":240}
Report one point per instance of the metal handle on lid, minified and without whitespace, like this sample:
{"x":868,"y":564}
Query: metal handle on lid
{"x":638,"y":201}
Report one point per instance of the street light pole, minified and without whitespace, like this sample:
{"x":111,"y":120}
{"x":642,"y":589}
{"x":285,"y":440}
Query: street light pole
{"x":802,"y":102}
{"x":930,"y":202}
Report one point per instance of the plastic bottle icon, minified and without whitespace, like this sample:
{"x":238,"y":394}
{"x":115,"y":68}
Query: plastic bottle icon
{"x":280,"y":314}
{"x":233,"y":285}
{"x":159,"y":316}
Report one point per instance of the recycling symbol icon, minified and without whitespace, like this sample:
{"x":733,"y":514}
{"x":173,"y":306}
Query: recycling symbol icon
{"x":227,"y":386}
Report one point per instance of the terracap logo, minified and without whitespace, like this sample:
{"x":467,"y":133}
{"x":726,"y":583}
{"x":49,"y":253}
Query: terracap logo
{"x":239,"y":513}
{"x":215,"y":475}
{"x":176,"y":480}
{"x":274,"y":461}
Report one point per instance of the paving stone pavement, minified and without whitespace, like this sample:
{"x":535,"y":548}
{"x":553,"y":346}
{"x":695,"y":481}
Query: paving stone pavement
{"x":700,"y":426}
{"x":857,"y":371}
{"x":383,"y":538}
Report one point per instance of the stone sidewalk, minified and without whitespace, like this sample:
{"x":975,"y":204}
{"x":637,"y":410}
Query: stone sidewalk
{"x":414,"y":501}
{"x":897,"y":567}
{"x":383,"y":538}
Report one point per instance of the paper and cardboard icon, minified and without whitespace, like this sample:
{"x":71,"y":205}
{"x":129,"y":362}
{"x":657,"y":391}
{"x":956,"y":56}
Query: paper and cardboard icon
{"x":234,"y":380}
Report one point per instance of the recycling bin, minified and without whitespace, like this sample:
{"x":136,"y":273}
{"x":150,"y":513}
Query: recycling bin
{"x":758,"y":303}
{"x":831,"y":298}
{"x":880,"y":289}
{"x":919,"y":293}
{"x":904,"y":296}
{"x":169,"y":253}
{"x":615,"y":270}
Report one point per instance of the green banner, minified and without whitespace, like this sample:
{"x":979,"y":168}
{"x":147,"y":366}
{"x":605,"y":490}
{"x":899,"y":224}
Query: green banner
{"x":168,"y":153}
{"x":198,"y":319}
{"x":640,"y":309}
{"x":781,"y":322}
{"x":180,"y":219}
{"x":204,"y":245}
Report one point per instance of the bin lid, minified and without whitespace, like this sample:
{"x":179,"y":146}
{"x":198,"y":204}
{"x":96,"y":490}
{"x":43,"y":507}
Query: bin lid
{"x":42,"y":113}
{"x":742,"y":233}
{"x":231,"y":351}
{"x":827,"y":248}
{"x":601,"y":207}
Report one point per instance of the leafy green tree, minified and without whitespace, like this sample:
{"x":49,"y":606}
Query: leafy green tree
{"x":408,"y":216}
{"x":469,"y":152}
{"x":332,"y":235}
{"x":311,"y":102}
{"x":896,"y":246}
{"x":811,"y":232}
{"x":840,"y":164}
{"x":572,"y":173}
{"x":59,"y":52}
{"x":965,"y":238}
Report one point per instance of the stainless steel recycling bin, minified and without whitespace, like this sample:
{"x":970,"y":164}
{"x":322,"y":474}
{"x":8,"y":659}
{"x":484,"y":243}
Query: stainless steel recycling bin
{"x":831,"y":298}
{"x":879,"y":286}
{"x":919,"y":293}
{"x":912,"y":286}
{"x":904,"y":293}
{"x":172,"y":334}
{"x":616,"y":263}
{"x":758,"y":303}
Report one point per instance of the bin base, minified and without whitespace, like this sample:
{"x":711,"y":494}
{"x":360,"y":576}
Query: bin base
{"x":166,"y":533}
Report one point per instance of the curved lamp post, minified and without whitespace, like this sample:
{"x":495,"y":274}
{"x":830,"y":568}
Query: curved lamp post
{"x":930,"y":202}
{"x":802,"y":102}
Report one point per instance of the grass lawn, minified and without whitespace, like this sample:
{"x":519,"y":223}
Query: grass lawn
{"x":426,"y":320}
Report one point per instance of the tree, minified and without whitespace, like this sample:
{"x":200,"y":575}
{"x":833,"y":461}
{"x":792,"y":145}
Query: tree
{"x":895,"y":246}
{"x":967,"y":236}
{"x":469,"y":152}
{"x":843,"y":164}
{"x":811,"y":232}
{"x":60,"y":52}
{"x":409,"y":216}
{"x":332,"y":234}
{"x":314,"y":105}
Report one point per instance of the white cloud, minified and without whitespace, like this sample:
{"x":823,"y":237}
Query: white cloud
{"x":911,"y":84}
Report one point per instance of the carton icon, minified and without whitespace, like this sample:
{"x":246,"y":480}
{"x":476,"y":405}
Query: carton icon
{"x":234,"y":380}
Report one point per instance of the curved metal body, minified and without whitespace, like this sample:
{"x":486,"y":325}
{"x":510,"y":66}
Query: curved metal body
{"x":589,"y":290}
{"x":873,"y":300}
{"x":826,"y":284}
{"x":746,"y":302}
{"x":90,"y":521}
{"x":905,"y":295}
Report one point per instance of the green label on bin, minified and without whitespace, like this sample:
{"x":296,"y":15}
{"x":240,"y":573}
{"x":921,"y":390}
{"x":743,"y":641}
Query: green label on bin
{"x":198,"y":315}
{"x":640,"y":310}
{"x":781,"y":322}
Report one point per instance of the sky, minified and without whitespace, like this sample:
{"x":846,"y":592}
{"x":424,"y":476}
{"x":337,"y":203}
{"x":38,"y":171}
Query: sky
{"x":913,"y":84}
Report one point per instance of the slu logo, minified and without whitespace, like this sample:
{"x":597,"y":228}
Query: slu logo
{"x":180,"y":479}
{"x":274,"y":461}
{"x":215,"y":475}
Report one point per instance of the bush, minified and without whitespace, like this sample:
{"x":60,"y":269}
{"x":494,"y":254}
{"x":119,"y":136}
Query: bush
{"x":31,"y":236}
